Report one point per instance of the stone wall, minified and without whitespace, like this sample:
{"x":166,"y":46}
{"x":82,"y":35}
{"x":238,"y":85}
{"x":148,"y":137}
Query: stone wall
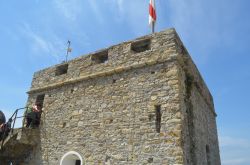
{"x":199,"y":117}
{"x":130,"y":109}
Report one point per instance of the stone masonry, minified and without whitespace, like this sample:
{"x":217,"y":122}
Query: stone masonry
{"x":138,"y":102}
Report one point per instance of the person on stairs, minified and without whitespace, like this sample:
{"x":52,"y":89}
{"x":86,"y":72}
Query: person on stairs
{"x":32,"y":115}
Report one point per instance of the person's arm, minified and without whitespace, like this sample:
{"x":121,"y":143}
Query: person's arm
{"x":36,"y":109}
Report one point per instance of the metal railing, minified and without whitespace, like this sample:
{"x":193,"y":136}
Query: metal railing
{"x":10,"y":125}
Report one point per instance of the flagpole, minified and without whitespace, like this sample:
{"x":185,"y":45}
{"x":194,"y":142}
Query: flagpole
{"x":68,"y":51}
{"x":153,"y":27}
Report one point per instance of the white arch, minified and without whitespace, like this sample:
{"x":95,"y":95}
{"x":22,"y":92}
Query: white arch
{"x":70,"y":157}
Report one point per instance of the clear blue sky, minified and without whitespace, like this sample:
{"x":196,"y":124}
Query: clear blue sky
{"x":34,"y":34}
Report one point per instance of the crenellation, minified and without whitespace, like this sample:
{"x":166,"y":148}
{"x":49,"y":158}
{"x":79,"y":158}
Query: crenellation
{"x":122,"y":58}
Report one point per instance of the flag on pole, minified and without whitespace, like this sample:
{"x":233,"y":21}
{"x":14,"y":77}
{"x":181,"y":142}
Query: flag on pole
{"x":152,"y":14}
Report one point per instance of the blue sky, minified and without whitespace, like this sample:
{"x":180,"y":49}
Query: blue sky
{"x":216,"y":33}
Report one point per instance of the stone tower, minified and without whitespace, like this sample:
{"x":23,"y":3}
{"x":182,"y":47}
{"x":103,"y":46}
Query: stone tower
{"x":138,"y":102}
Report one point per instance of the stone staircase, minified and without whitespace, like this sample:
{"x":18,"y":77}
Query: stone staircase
{"x":18,"y":146}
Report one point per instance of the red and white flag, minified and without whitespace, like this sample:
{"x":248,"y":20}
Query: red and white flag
{"x":152,"y":14}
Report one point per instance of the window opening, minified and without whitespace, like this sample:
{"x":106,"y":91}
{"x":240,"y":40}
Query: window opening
{"x":141,"y":46}
{"x":62,"y":69}
{"x":208,"y":155}
{"x":158,"y":118}
{"x":100,"y":57}
{"x":40,"y":99}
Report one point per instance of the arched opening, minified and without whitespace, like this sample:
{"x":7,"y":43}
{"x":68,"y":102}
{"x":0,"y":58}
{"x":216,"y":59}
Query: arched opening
{"x":71,"y":158}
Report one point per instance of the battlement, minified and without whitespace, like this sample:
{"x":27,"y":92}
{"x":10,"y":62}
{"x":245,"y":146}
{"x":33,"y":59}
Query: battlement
{"x":147,"y":50}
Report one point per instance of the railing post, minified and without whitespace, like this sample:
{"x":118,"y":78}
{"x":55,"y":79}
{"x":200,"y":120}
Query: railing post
{"x":12,"y":129}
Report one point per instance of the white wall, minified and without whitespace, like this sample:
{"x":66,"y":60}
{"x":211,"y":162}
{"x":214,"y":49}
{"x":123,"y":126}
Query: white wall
{"x":68,"y":162}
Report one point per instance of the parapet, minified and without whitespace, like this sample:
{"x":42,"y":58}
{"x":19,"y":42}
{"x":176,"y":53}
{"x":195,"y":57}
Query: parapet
{"x":144,"y":51}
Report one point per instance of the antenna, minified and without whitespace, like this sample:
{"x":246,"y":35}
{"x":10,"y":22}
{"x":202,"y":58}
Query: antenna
{"x":68,"y":50}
